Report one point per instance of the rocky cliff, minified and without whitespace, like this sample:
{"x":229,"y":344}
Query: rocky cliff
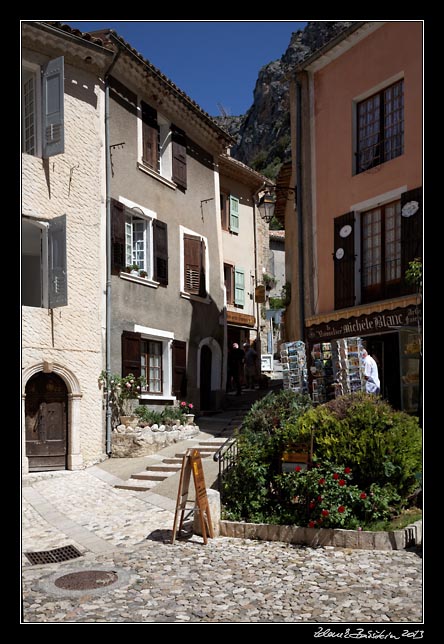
{"x":263,"y":133}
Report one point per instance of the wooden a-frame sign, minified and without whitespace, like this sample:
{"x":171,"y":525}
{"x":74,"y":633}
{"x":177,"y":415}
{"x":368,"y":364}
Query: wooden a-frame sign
{"x":192,"y":462}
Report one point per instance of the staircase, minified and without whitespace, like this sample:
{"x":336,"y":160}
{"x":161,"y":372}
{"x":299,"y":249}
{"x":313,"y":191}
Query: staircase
{"x":168,"y":466}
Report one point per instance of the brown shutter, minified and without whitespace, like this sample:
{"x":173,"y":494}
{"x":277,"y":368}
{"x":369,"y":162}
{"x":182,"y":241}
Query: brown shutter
{"x":202,"y":288}
{"x":130,"y":353}
{"x":117,"y":237}
{"x":411,"y":234}
{"x":192,"y":263}
{"x":150,"y":137}
{"x":179,"y":388}
{"x":344,"y":261}
{"x":160,"y":251}
{"x":179,"y":157}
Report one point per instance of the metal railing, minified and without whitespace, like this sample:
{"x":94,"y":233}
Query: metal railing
{"x":226,"y":456}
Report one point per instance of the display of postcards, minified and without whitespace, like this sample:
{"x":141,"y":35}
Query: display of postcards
{"x":326,"y":355}
{"x":326,"y":346}
{"x":353,"y":361}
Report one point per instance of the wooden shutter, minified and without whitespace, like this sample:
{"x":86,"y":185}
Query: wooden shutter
{"x":411,"y":234}
{"x":131,"y":353}
{"x":179,"y":388}
{"x":160,"y":252}
{"x":57,"y":273}
{"x":53,"y":136}
{"x":239,"y":286}
{"x":179,"y":157}
{"x":192,"y":263}
{"x":150,"y":137}
{"x":117,"y":237}
{"x":344,"y":261}
{"x":234,"y":214}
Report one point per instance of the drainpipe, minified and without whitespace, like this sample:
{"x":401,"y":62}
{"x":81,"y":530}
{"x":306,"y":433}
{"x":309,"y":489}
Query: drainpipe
{"x":299,"y":208}
{"x":108,"y":411}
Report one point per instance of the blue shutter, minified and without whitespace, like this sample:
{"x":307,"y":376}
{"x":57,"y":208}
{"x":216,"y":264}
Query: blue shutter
{"x":234,"y":214}
{"x":239,"y":286}
{"x":57,"y":274}
{"x":53,"y":136}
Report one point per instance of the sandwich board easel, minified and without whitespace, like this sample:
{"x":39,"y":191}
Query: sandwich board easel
{"x":192,"y":462}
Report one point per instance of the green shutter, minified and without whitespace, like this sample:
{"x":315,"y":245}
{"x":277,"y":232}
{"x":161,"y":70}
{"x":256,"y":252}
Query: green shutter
{"x":52,"y":108}
{"x":239,"y":286}
{"x":234,"y":214}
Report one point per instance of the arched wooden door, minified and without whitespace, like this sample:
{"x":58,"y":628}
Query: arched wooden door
{"x":205,"y":378}
{"x":46,"y":422}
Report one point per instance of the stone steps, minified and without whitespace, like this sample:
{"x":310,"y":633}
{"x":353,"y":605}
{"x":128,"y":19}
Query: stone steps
{"x":170,"y":465}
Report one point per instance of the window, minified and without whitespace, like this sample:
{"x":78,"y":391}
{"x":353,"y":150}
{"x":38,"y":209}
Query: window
{"x":228,"y":280}
{"x":44,"y":274}
{"x":156,"y":355}
{"x":224,"y":212}
{"x":194,"y":252}
{"x":43,"y":108}
{"x":164,"y":147}
{"x":380,"y":123}
{"x":234,"y":284}
{"x":381,"y":252}
{"x":138,"y":240}
{"x":151,"y":365}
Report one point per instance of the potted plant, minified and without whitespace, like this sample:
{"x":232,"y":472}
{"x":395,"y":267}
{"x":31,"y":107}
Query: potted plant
{"x":122,"y":391}
{"x":188,"y":410}
{"x":143,"y":274}
{"x":269,"y":281}
{"x":133,"y":269}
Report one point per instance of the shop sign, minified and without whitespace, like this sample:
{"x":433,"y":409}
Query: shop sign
{"x":240,"y":318}
{"x":378,"y":322}
{"x":259,"y":294}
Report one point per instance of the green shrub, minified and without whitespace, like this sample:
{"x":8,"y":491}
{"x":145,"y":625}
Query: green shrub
{"x":381,"y":445}
{"x":274,"y":410}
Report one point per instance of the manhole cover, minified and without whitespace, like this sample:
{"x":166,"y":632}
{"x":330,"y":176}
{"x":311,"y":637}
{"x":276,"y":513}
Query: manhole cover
{"x":87,"y":580}
{"x":53,"y":556}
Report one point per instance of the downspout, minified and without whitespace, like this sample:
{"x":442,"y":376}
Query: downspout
{"x":108,"y":411}
{"x":256,"y":271}
{"x":299,"y":208}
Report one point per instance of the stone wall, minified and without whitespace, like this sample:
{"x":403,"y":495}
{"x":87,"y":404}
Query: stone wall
{"x":72,"y":184}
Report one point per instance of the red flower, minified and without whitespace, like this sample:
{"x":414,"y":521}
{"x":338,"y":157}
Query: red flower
{"x":363,"y":495}
{"x":320,"y":498}
{"x":311,"y":524}
{"x":347,"y":470}
{"x":320,"y":520}
{"x":321,"y":481}
{"x":341,"y":508}
{"x":341,"y":482}
{"x":297,"y":468}
{"x":312,"y":505}
{"x":335,"y":476}
{"x":325,"y":513}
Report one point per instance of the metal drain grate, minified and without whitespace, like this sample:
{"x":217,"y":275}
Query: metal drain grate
{"x":53,"y":556}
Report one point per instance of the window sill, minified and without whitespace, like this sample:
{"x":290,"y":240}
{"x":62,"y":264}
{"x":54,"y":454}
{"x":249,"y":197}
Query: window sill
{"x":156,"y":175}
{"x":139,"y":280}
{"x":195,"y":298}
{"x":151,"y":396}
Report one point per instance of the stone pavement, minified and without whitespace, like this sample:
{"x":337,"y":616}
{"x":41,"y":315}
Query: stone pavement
{"x":225,"y":581}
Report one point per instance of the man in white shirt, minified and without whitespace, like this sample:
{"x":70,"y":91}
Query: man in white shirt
{"x":371,"y":375}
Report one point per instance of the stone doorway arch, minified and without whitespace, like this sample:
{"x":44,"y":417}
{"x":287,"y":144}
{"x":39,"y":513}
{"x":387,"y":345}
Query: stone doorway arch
{"x":74,"y":459}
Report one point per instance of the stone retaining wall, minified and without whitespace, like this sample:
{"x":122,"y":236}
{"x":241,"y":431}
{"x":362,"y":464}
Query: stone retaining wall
{"x":130,"y":443}
{"x":364,"y":540}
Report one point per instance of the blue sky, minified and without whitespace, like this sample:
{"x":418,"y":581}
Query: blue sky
{"x":214,"y":62}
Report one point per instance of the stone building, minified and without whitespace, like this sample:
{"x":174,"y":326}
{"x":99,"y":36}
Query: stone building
{"x":63,"y":248}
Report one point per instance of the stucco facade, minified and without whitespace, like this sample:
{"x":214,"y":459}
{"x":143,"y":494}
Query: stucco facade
{"x":163,"y":312}
{"x":350,"y":270}
{"x":68,"y":341}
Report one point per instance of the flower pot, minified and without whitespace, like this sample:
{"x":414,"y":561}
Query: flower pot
{"x":189,"y":419}
{"x":127,"y":420}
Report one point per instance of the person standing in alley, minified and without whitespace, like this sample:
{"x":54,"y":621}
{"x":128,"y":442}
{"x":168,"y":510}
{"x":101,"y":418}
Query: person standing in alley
{"x":371,"y":375}
{"x":235,"y":365}
{"x":250,"y":366}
